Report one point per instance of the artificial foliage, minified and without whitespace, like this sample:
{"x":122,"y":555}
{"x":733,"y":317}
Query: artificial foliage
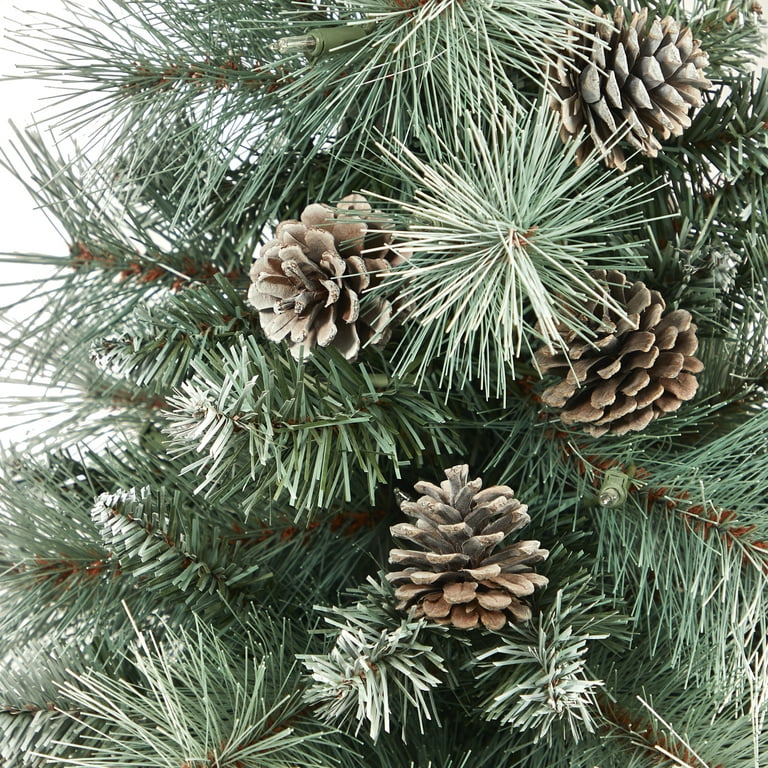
{"x":317,"y":255}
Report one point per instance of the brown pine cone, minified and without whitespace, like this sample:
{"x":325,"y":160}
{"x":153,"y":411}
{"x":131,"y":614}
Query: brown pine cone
{"x":632,"y":370}
{"x":631,"y":83}
{"x":307,"y":282}
{"x":456,"y":577}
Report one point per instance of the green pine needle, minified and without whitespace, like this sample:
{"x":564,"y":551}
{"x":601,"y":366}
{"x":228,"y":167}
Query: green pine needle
{"x":260,"y":420}
{"x":379,"y":669}
{"x":504,"y":232}
{"x":195,"y":702}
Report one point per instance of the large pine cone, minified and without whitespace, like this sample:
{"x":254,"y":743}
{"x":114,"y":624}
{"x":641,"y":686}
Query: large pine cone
{"x":307,"y":282}
{"x":632,"y":371}
{"x":458,"y":579}
{"x":632,"y":82}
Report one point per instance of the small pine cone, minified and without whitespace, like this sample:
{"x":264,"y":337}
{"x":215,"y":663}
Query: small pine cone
{"x":458,"y":579}
{"x":307,"y":282}
{"x":632,"y":371}
{"x":630,"y":82}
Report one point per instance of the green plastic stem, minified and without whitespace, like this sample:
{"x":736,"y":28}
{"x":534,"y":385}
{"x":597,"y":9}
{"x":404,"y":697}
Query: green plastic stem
{"x":331,"y":39}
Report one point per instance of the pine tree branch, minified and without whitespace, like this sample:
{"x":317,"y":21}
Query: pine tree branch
{"x":149,"y":536}
{"x":378,"y":669}
{"x":728,"y":134}
{"x":173,"y":332}
{"x":504,"y":234}
{"x":537,"y":676}
{"x":197,"y":702}
{"x":50,"y":558}
{"x":698,"y":601}
{"x":313,"y":430}
{"x":731,"y":31}
{"x":642,"y":735}
{"x":32,"y":711}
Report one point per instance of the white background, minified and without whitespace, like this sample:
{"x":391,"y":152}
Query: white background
{"x":23,"y":229}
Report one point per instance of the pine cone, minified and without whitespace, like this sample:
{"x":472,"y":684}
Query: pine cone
{"x":307,"y":282}
{"x":631,"y":83}
{"x":632,"y":371}
{"x":456,"y":579}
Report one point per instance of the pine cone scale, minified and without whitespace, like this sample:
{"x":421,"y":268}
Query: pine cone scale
{"x":650,"y":72}
{"x":668,"y":365}
{"x":410,"y":592}
{"x":668,"y":403}
{"x":494,"y":601}
{"x":424,"y":578}
{"x":516,"y":585}
{"x":428,"y":489}
{"x":316,"y":263}
{"x":477,"y":545}
{"x":609,"y":370}
{"x":279,"y":327}
{"x":509,"y":521}
{"x":626,"y":82}
{"x":635,"y":382}
{"x":448,"y":560}
{"x":642,"y":359}
{"x":640,"y":298}
{"x":465,"y":617}
{"x":683,"y":387}
{"x":693,"y":365}
{"x":518,"y":555}
{"x":279,"y":288}
{"x":463,"y":578}
{"x":493,"y":620}
{"x":437,"y":608}
{"x":638,"y":341}
{"x":650,"y":394}
{"x":647,"y":373}
{"x":581,"y":413}
{"x":520,"y":611}
{"x":621,"y":407}
{"x":603,"y":395}
{"x":485,"y":571}
{"x":406,"y":557}
{"x":459,"y":592}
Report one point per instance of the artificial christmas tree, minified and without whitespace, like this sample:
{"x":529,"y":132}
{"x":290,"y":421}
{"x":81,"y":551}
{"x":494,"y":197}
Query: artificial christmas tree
{"x":326,"y":251}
